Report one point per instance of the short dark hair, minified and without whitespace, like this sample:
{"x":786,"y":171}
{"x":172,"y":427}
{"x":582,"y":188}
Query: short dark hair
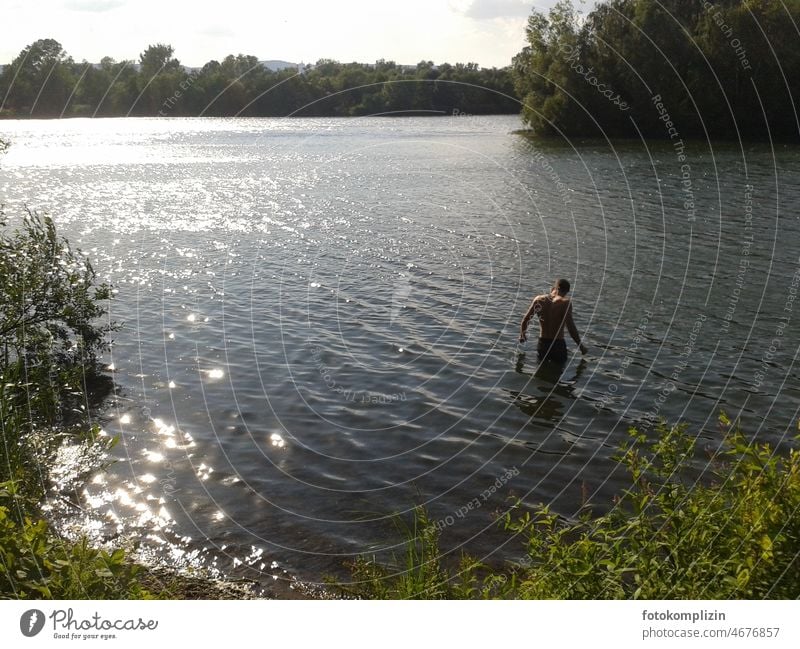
{"x":562,"y":286}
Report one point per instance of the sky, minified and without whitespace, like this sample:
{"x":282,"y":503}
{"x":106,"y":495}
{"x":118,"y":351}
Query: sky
{"x":487,"y":32}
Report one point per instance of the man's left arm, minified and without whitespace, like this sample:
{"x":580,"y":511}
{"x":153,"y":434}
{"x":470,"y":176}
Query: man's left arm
{"x":573,"y":330}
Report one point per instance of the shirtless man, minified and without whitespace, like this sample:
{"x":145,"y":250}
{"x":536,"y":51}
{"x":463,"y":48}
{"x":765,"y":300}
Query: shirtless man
{"x":555,"y":312}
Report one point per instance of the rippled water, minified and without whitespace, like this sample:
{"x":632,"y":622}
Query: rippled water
{"x":320,"y":319}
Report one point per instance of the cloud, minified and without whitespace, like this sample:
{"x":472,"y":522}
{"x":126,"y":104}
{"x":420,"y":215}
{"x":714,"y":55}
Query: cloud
{"x":95,"y":6}
{"x":491,"y":9}
{"x":217,"y":31}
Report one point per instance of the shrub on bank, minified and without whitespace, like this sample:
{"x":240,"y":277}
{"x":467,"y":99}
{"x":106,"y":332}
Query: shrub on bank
{"x":50,"y":334}
{"x":667,"y":537}
{"x":51,"y":331}
{"x":36,"y":564}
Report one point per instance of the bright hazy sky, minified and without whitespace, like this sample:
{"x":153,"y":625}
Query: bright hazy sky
{"x":488,"y":32}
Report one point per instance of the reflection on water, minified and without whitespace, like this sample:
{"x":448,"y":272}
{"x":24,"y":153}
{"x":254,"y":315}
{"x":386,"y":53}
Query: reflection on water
{"x":320,"y":319}
{"x":548,"y":390}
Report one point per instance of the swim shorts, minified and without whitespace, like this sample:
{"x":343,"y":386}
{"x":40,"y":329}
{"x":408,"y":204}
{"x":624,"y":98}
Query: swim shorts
{"x":552,"y":350}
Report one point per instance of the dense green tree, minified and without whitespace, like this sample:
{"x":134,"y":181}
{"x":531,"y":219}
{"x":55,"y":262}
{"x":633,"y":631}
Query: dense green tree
{"x":159,"y":81}
{"x":158,"y":58}
{"x":235,"y":67}
{"x":92,"y":82}
{"x":542,"y":71}
{"x":723,"y":69}
{"x":41,"y":79}
{"x":124,"y":90}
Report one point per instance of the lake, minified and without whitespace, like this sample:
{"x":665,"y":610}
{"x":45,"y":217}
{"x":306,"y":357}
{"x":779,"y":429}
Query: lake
{"x":319,"y":321}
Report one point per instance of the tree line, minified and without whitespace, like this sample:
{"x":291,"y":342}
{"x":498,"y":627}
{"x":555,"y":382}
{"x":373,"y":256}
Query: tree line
{"x":663,"y":68}
{"x":668,"y":69}
{"x":43,"y":81}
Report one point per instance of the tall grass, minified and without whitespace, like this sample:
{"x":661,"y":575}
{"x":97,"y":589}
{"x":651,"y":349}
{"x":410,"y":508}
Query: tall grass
{"x":667,"y":537}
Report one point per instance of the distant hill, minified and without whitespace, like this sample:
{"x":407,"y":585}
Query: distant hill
{"x":277,"y":66}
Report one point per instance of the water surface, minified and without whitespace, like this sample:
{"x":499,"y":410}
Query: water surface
{"x":320,"y":316}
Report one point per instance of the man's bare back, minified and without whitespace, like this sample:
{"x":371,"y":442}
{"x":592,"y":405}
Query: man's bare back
{"x":555,"y":313}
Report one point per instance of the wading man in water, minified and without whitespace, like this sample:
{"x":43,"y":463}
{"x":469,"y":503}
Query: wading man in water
{"x":555,"y":313}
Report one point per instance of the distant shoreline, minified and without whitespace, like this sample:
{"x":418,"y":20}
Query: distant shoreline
{"x":585,"y":140}
{"x":391,"y":114}
{"x":529,"y":134}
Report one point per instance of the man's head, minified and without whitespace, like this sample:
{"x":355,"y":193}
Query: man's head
{"x":561,"y":286}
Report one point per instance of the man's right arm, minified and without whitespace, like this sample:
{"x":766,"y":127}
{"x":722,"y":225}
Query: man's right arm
{"x":534,"y":308}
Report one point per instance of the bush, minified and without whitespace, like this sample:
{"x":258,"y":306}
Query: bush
{"x":666,"y":538}
{"x":49,"y":299}
{"x":36,"y":564}
{"x":50,"y":336}
{"x":50,"y":306}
